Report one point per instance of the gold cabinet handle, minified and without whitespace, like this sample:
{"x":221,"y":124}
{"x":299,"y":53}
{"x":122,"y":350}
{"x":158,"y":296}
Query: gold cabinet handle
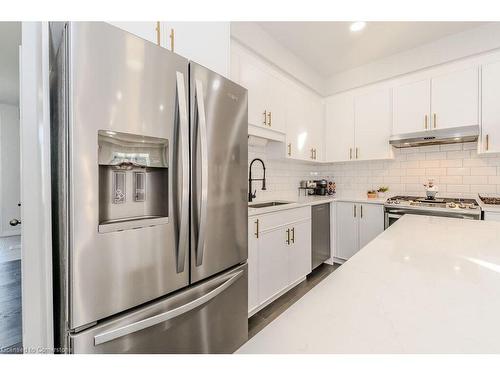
{"x":350,"y":153}
{"x":487,"y":142}
{"x":172,"y":39}
{"x":425,"y":122}
{"x":289,"y":149}
{"x":293,"y":235}
{"x":361,"y":207}
{"x":435,"y":120}
{"x":288,"y":236}
{"x":257,"y":228}
{"x":158,"y":34}
{"x":354,"y":210}
{"x":356,"y":152}
{"x":265,"y":117}
{"x":269,"y":118}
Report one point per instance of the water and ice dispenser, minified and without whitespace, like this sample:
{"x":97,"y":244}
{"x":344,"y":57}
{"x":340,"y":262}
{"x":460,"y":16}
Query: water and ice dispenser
{"x":133,"y":181}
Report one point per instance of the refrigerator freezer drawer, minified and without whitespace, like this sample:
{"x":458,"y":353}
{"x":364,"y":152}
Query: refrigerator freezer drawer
{"x":209,"y":317}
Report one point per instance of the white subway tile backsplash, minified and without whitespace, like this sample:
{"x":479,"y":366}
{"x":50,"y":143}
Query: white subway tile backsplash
{"x":483,"y":171}
{"x":457,"y":169}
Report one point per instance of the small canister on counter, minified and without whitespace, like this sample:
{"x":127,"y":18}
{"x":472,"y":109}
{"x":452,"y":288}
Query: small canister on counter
{"x":331,"y":188}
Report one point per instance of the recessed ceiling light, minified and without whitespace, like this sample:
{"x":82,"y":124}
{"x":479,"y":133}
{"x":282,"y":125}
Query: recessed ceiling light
{"x":358,"y":26}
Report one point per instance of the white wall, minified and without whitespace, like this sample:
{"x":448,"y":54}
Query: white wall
{"x":9,"y":169}
{"x":35,"y":189}
{"x":468,"y":43}
{"x":257,"y":39}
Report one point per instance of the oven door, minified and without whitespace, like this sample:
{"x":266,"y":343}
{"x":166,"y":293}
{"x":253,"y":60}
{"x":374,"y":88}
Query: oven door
{"x":391,"y":218}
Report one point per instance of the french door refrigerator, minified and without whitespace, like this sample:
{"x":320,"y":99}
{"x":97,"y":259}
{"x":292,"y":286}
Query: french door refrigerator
{"x":149,"y":167}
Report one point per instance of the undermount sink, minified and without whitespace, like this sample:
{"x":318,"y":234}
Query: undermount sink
{"x":266,"y":204}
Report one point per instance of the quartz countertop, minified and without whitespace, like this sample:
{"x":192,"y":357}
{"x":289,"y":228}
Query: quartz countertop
{"x":425,"y":285}
{"x":311,"y":201}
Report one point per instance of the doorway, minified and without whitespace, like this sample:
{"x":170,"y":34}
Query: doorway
{"x":10,"y":205}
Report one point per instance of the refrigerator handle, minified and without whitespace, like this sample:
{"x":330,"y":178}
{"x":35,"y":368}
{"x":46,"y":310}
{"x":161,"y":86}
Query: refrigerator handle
{"x":202,"y":128}
{"x":167,"y":315}
{"x":182,"y":243}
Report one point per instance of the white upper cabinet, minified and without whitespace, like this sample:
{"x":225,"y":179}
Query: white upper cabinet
{"x":373,"y":125}
{"x":207,"y":43}
{"x":316,"y":122}
{"x":412,"y":107}
{"x":297,"y":129}
{"x":304,"y":124}
{"x":266,"y":93}
{"x":490,"y":119}
{"x":339,"y":127}
{"x":455,"y":99}
{"x":145,"y":30}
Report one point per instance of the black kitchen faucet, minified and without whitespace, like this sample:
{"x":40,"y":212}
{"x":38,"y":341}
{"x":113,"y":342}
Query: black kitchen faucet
{"x":250,"y":179}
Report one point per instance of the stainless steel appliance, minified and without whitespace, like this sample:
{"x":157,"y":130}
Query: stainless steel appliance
{"x":150,"y":197}
{"x":320,"y":230}
{"x":436,"y":137}
{"x":398,"y":206}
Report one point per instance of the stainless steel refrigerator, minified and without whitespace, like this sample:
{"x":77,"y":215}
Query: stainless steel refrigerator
{"x":149,"y":163}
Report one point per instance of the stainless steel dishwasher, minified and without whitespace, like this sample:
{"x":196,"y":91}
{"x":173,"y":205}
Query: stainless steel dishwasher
{"x":320,"y":233}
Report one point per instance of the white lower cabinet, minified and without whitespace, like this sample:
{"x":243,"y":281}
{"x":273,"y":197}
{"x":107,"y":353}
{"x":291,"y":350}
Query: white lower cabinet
{"x":356,"y":225}
{"x":279,"y":254}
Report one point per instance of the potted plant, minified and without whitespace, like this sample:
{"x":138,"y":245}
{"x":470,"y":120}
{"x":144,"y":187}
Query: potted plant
{"x":382,"y":190}
{"x":372,"y":193}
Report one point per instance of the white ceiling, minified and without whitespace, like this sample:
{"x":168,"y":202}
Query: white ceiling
{"x":330,"y":47}
{"x":10,"y":39}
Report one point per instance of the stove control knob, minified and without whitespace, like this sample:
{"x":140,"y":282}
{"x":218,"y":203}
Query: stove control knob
{"x":452,"y":205}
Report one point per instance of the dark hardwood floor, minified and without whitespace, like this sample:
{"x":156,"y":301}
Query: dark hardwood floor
{"x":10,"y":307}
{"x":265,"y":316}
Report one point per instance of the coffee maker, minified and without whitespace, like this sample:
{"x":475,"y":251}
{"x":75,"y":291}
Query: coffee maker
{"x":321,"y":187}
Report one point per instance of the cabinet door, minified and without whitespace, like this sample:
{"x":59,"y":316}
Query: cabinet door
{"x":299,"y":252}
{"x":490,"y":127}
{"x":298,"y":134}
{"x":317,"y":126}
{"x":275,"y":103}
{"x":371,"y":222}
{"x":273,"y":263}
{"x":373,"y":125}
{"x":206,"y":43}
{"x":253,"y":78}
{"x":339,"y":128}
{"x":455,"y":98}
{"x":145,"y":30}
{"x":253,"y":263}
{"x":347,"y":241}
{"x":412,"y":107}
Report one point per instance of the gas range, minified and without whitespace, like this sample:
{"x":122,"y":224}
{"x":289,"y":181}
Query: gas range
{"x":397,"y":206}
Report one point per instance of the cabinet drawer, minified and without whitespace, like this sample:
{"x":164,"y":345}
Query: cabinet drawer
{"x":284,"y":217}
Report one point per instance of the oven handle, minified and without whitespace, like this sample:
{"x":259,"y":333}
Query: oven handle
{"x":394,"y":216}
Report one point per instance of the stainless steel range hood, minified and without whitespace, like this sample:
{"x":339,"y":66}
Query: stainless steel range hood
{"x":436,"y":137}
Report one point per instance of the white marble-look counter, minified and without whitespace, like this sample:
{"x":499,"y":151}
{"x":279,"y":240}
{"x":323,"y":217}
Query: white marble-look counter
{"x":425,"y":285}
{"x":311,"y":201}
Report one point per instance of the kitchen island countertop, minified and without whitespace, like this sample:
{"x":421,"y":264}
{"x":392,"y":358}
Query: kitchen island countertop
{"x":425,"y":285}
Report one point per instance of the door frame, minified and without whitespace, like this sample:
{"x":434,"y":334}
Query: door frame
{"x":36,"y":229}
